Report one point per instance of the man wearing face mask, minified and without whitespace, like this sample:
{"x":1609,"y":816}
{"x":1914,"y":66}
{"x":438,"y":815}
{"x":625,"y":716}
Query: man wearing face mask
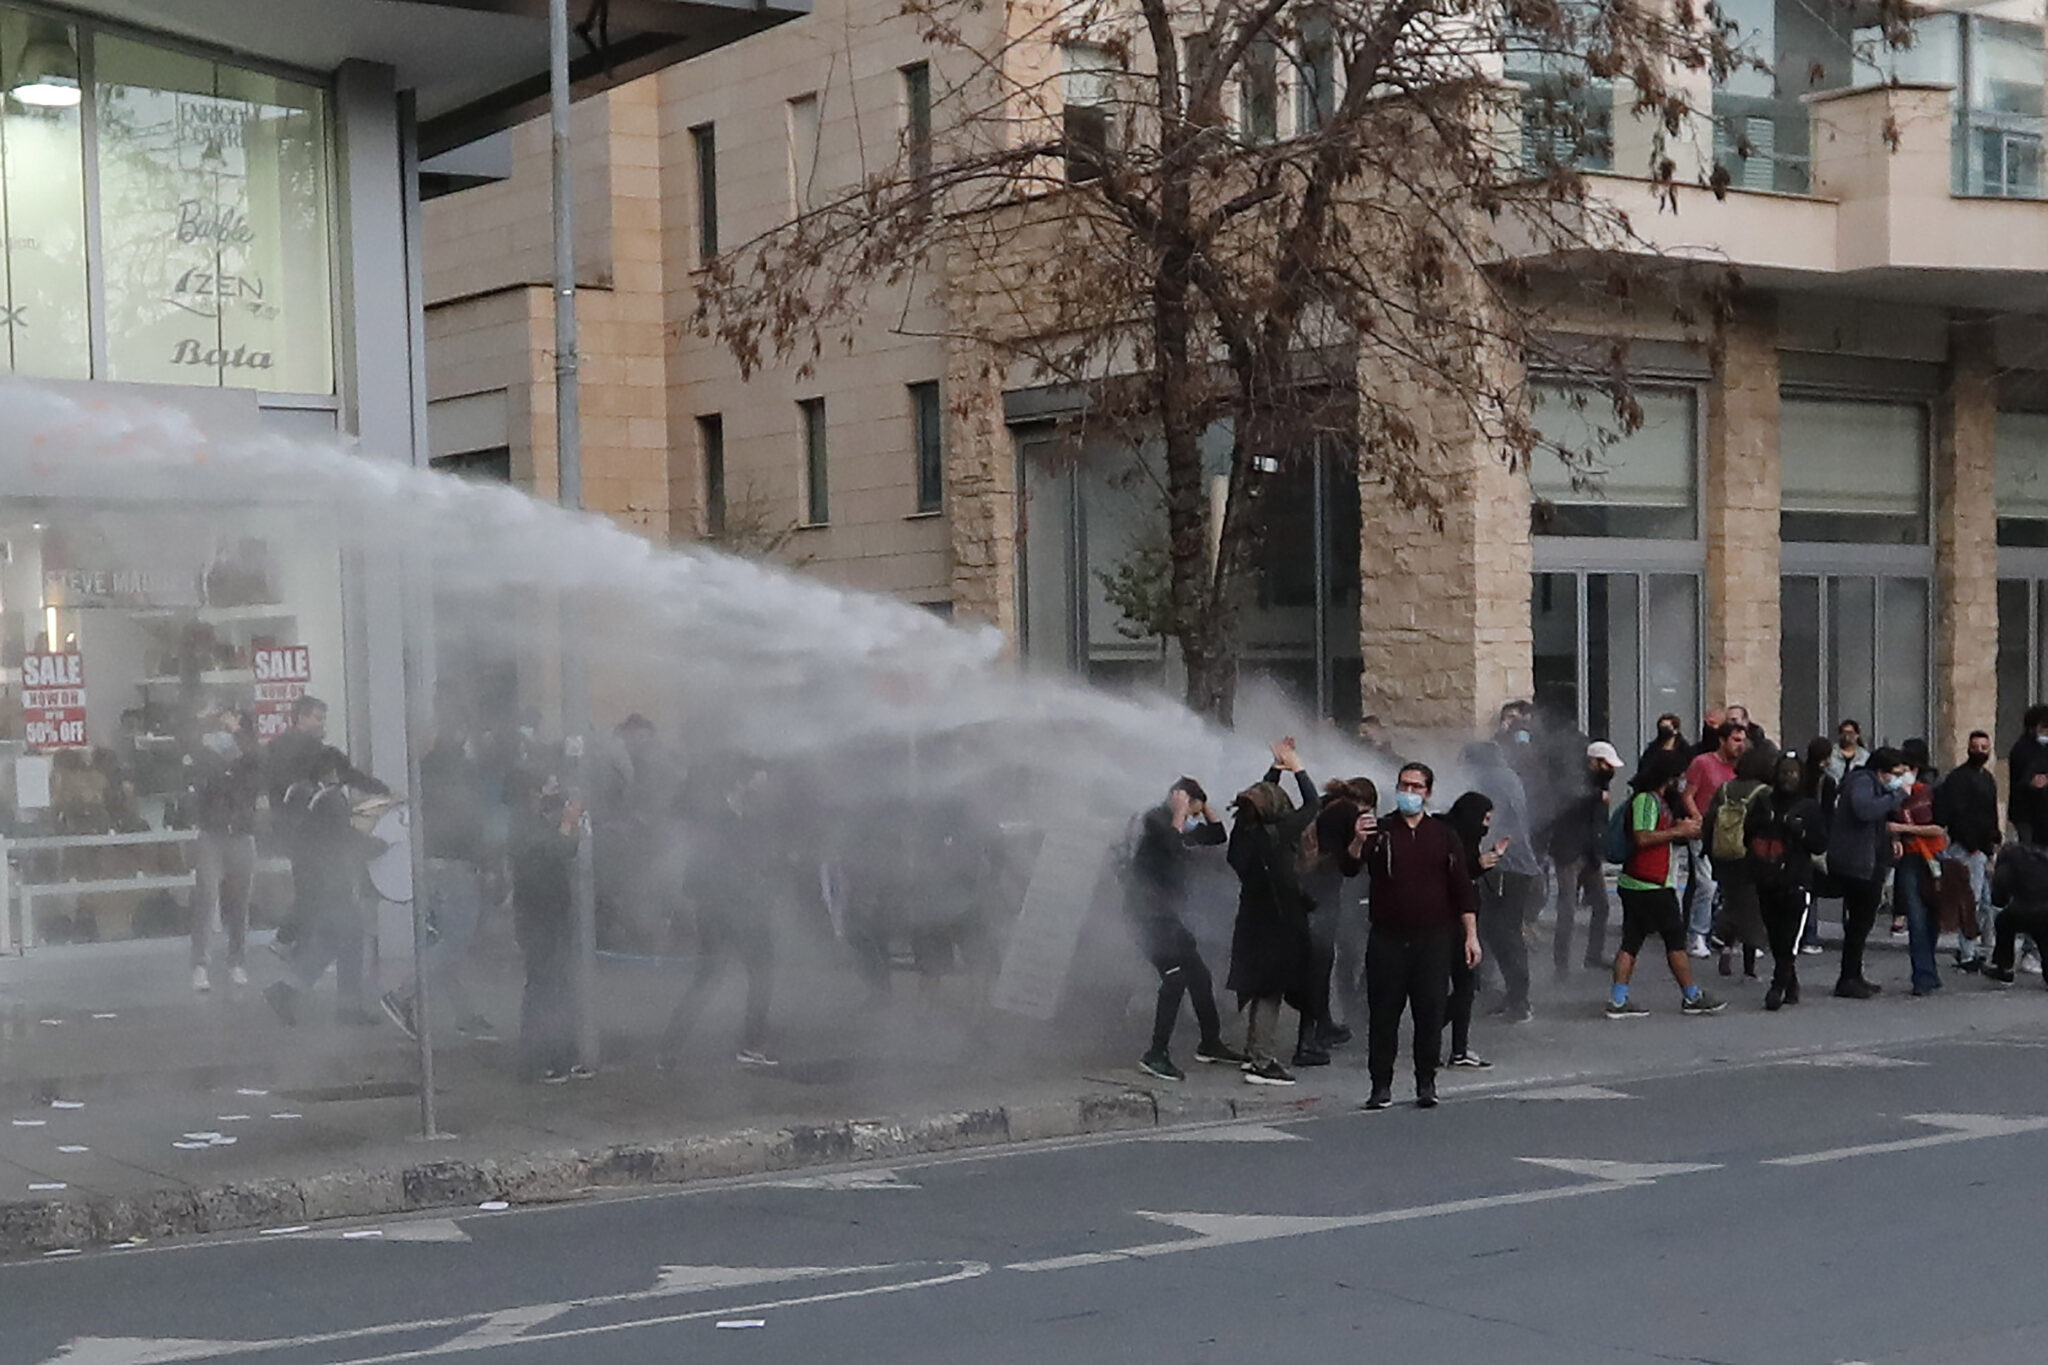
{"x":1155,"y":889}
{"x":1966,"y":805}
{"x":2026,"y":766}
{"x":1861,"y":852}
{"x":1575,"y":850}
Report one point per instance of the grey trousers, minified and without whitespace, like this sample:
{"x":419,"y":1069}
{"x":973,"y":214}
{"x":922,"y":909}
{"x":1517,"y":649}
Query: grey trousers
{"x":224,"y":868}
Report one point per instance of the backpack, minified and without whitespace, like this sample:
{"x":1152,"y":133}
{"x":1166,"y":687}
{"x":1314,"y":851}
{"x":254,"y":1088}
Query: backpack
{"x":1620,"y":844}
{"x":1731,"y":818}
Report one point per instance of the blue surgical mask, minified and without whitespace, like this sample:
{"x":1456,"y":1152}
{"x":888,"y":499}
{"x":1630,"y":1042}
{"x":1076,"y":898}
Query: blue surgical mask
{"x":1408,"y":803}
{"x":1521,"y":736}
{"x":2041,"y":739}
{"x":1898,"y":782}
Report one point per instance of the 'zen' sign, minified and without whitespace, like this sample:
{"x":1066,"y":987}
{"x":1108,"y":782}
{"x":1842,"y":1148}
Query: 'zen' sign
{"x":284,"y":673}
{"x":53,"y":701}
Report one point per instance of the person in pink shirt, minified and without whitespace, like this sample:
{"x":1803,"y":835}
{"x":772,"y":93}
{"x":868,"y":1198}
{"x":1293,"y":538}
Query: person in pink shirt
{"x":1705,"y":776}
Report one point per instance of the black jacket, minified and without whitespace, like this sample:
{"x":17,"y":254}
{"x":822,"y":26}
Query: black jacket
{"x":225,"y":787}
{"x":1269,"y":947}
{"x":1784,"y":834}
{"x":2026,"y":804}
{"x":1966,"y":805}
{"x":288,"y":759}
{"x":2019,"y":879}
{"x":328,"y":852}
{"x":543,"y":860}
{"x":1161,"y":860}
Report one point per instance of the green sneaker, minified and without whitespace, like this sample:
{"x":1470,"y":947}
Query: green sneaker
{"x":1160,"y":1065}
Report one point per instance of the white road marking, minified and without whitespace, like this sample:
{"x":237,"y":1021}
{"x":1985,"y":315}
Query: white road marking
{"x":742,"y":1322}
{"x":1958,"y":1128}
{"x":42,"y":1185}
{"x":286,"y":1232}
{"x":67,"y":1104}
{"x":844,"y":1180}
{"x":1230,"y":1132}
{"x":31,"y":1123}
{"x":1630,"y":1172}
{"x":1564,"y":1092}
{"x":72,"y":1149}
{"x":422,"y":1230}
{"x":1850,"y":1060}
{"x":246,"y":1091}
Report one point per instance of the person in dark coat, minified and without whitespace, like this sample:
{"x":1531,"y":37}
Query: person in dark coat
{"x":1471,"y":815}
{"x":543,"y":841}
{"x":2019,"y":888}
{"x":329,"y":855}
{"x":731,"y":886}
{"x":1323,"y":876}
{"x":2026,"y":768}
{"x":1269,"y":944}
{"x":1155,"y":892}
{"x":1784,"y":831}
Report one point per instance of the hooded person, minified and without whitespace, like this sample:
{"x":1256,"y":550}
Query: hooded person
{"x":1269,"y":942}
{"x":1786,"y":829}
{"x":1514,"y":885}
{"x":1324,"y":875}
{"x":1161,"y":862}
{"x":1471,"y":815}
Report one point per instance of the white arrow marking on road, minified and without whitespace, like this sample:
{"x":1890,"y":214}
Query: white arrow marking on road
{"x":505,"y":1327}
{"x":139,"y":1350}
{"x":690,"y":1279}
{"x":1848,"y":1060}
{"x":845,"y":1180}
{"x":1960,"y":1128}
{"x":1630,"y":1172}
{"x":1237,"y":1132}
{"x":1565,"y":1092}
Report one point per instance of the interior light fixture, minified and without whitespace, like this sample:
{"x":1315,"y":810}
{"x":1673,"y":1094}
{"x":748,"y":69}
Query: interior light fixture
{"x":46,"y":77}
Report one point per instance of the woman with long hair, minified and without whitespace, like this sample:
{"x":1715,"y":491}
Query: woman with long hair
{"x":1471,"y":815}
{"x":1269,"y":944}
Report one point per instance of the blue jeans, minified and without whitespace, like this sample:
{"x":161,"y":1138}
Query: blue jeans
{"x":1701,"y":892}
{"x":1912,"y":891}
{"x":1979,"y":864}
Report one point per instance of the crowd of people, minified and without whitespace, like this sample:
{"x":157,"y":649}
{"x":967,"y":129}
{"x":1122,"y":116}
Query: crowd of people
{"x":1721,"y":847}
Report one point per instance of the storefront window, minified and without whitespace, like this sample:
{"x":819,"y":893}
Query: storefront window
{"x":43,"y":329}
{"x":1852,"y":472}
{"x":1641,"y":485}
{"x":1613,"y":651}
{"x":1855,"y":647}
{"x":213,"y":185}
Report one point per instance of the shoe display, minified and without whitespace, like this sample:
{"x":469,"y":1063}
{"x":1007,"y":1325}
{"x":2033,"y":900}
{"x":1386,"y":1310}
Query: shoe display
{"x":1160,"y":1065}
{"x":1382,"y":1097}
{"x":1703,"y":1004}
{"x":200,"y":981}
{"x":1627,"y":1009}
{"x":1220,"y":1054}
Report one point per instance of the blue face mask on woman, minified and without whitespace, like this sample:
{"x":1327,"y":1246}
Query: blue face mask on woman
{"x":1408,"y":803}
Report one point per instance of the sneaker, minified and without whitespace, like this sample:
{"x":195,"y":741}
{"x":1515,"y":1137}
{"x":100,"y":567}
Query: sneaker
{"x":1334,"y":1035}
{"x":556,"y":1077}
{"x":200,"y":981}
{"x":1160,"y":1065}
{"x":1774,"y":998}
{"x":1268,"y":1073}
{"x":1311,"y":1056}
{"x":398,"y":1010}
{"x":1468,"y":1061}
{"x":580,"y":1072}
{"x":1812,"y":949}
{"x":1628,"y":1009}
{"x":1425,"y":1094}
{"x":1703,"y":1004}
{"x":750,"y":1056}
{"x":2030,"y":963}
{"x":281,"y":949}
{"x":1382,"y":1097}
{"x":1727,"y":962}
{"x":355,"y":1017}
{"x":478,"y":1029}
{"x":1220,"y":1054}
{"x":1853,"y":990}
{"x":1792,"y":992}
{"x":238,"y":975}
{"x":1898,"y":926}
{"x":1518,"y":1014}
{"x":284,"y":1001}
{"x":1972,"y":965}
{"x":2004,"y":976}
{"x":1698,"y":947}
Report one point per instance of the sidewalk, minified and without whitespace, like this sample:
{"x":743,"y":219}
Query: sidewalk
{"x":215,"y":1117}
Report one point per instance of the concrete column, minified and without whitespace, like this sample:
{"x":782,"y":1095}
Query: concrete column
{"x":1444,"y":608}
{"x":1965,"y":542}
{"x":1742,"y":494}
{"x":981,"y":489}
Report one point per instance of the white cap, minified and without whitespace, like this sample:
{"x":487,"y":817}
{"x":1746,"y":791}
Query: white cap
{"x":1605,"y":752}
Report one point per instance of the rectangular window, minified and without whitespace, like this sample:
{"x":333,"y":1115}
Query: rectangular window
{"x":43,"y":329}
{"x":704,"y":145}
{"x":1088,"y":119}
{"x":817,"y":484}
{"x":1852,"y":472}
{"x":711,"y":450}
{"x":1641,"y":485}
{"x":927,"y":425}
{"x":1315,"y":91}
{"x":215,"y":222}
{"x":801,"y":118}
{"x":1259,"y":92}
{"x":917,"y":128}
{"x":2021,"y":445}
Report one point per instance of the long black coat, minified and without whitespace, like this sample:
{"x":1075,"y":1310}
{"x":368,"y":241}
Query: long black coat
{"x":1269,"y":945}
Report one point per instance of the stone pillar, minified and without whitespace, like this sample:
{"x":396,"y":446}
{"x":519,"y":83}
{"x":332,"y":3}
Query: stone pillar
{"x":981,"y":489}
{"x":1444,"y":608}
{"x":1742,"y":492}
{"x":1965,"y":542}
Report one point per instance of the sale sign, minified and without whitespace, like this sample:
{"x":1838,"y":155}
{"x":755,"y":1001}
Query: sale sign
{"x":53,"y":701}
{"x":284,"y":673}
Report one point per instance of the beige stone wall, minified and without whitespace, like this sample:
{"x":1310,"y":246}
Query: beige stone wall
{"x":1965,"y":543}
{"x":1742,"y":495}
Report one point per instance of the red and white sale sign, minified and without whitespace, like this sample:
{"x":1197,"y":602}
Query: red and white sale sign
{"x":284,"y":673}
{"x":53,"y":701}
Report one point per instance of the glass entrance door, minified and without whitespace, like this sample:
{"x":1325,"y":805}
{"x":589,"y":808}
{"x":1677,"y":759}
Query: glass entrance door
{"x":1613,"y":651}
{"x":1854,"y":647}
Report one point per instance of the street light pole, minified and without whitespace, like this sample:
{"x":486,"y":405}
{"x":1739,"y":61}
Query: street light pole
{"x":569,"y":493}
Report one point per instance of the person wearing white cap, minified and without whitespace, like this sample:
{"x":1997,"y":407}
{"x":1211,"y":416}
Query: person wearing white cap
{"x":1575,"y":849}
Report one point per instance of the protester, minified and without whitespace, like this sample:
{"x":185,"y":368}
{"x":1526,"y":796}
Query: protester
{"x":2019,"y":888}
{"x":1269,"y":943}
{"x":1648,"y":887}
{"x":543,"y":839}
{"x":1816,"y":784}
{"x":1915,"y":876}
{"x":451,"y":810}
{"x":1423,"y":907}
{"x":328,"y":857}
{"x":1786,"y":828}
{"x":1670,"y":737}
{"x":1347,"y":987}
{"x":1757,"y":738}
{"x":733,"y":835}
{"x":289,"y":759}
{"x":1324,"y":876}
{"x":1860,"y":856}
{"x":225,"y":780}
{"x":1848,"y":753}
{"x":633,"y":800}
{"x":1739,"y":920}
{"x":1471,"y":815}
{"x":1966,"y":805}
{"x":1508,"y":890}
{"x":2026,"y":769}
{"x":1155,"y":895}
{"x":1575,"y":855}
{"x":1703,"y":777}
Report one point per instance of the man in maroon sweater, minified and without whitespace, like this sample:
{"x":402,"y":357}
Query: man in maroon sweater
{"x":1424,"y":910}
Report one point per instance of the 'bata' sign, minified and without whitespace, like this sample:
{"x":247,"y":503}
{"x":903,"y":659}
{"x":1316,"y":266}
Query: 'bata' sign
{"x":53,"y":701}
{"x":284,"y":673}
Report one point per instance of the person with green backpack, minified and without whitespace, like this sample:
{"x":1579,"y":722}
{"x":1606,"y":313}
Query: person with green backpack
{"x":1645,"y":833}
{"x":1739,"y":920}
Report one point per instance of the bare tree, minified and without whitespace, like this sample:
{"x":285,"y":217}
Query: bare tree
{"x":1269,"y":224}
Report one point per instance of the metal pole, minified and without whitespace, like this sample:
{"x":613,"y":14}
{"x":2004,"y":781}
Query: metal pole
{"x":569,"y":492}
{"x":1320,"y":514}
{"x":419,"y":720}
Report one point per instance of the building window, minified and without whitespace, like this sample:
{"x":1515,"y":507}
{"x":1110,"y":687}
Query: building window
{"x":704,"y":147}
{"x":801,"y":119}
{"x":917,"y":129}
{"x":478,"y":466}
{"x":1259,"y":92}
{"x":1088,"y":119}
{"x":711,"y":451}
{"x":1315,"y":91}
{"x":1613,"y":651}
{"x":43,"y":309}
{"x":817,"y":484}
{"x":1852,"y":472}
{"x":2021,"y":446}
{"x":1640,"y":486}
{"x":927,"y":424}
{"x":1854,"y":647}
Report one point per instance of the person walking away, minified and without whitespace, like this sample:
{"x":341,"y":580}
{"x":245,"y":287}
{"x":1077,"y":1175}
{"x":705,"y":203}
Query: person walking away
{"x":329,"y":855}
{"x":1816,"y":785}
{"x":732,"y":833}
{"x":1860,"y":856}
{"x":1708,"y":770}
{"x":1740,"y":919}
{"x":1966,"y":805}
{"x":1575,"y":853}
{"x":1269,"y":942}
{"x":1155,"y":895}
{"x":1425,"y":915}
{"x":2019,"y":888}
{"x":1914,"y":878}
{"x":1785,"y":830}
{"x":1326,"y":853}
{"x":1471,"y":815}
{"x":451,"y":809}
{"x":542,"y":843}
{"x":1848,"y":753}
{"x":1649,"y":890}
{"x":1504,"y":896}
{"x":226,"y":781}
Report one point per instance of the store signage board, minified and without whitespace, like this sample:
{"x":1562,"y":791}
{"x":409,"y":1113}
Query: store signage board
{"x":53,"y":701}
{"x":284,"y":673}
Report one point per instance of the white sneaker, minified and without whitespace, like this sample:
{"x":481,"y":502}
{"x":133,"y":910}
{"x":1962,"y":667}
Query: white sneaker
{"x":238,"y":976}
{"x":1698,"y":947}
{"x":751,"y":1057}
{"x":200,"y":981}
{"x":2030,"y":964}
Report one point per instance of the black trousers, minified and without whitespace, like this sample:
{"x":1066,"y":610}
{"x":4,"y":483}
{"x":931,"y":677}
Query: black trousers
{"x":1458,"y":1012}
{"x":2013,"y":921}
{"x":1502,"y":899}
{"x":547,"y":1018}
{"x":739,"y":935}
{"x":1581,"y":880}
{"x":1860,"y":897}
{"x":1177,"y":959}
{"x":1407,"y":972}
{"x":1784,"y":910}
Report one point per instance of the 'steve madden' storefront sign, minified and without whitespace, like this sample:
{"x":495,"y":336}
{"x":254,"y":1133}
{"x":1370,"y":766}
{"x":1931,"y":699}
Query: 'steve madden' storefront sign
{"x":53,"y":701}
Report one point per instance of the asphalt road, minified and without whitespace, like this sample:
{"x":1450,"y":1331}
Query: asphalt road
{"x":1885,"y":1206}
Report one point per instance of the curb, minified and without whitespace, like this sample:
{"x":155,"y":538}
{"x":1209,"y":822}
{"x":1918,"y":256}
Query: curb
{"x":35,"y":1227}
